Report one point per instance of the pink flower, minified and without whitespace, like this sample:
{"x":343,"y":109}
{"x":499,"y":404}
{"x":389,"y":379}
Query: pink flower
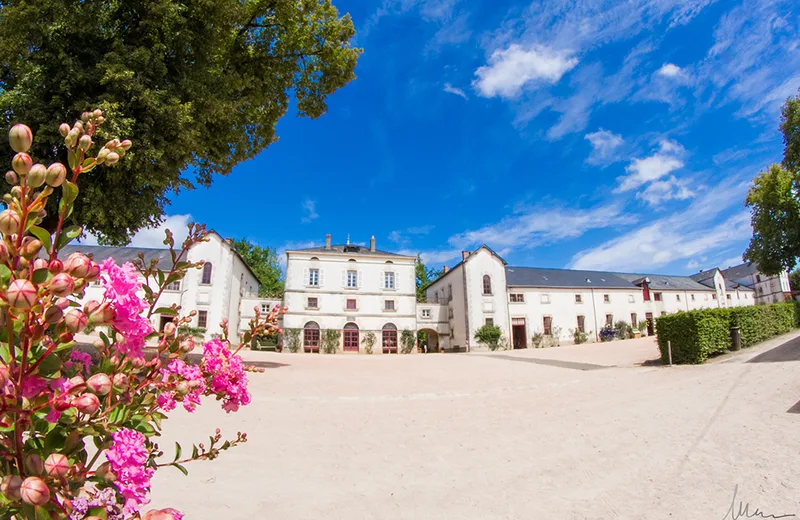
{"x":225,"y":374}
{"x":189,"y":386}
{"x":128,"y":456}
{"x":80,"y":357}
{"x":121,"y":284}
{"x":33,"y":386}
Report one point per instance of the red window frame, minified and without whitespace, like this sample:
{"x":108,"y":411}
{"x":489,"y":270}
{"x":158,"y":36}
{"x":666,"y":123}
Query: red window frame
{"x":582,"y":323}
{"x":316,"y":302}
{"x":547,"y":323}
{"x":202,"y":319}
{"x":646,"y":292}
{"x":350,"y":340}
{"x":389,"y":341}
{"x":657,"y":296}
{"x":388,"y":305}
{"x":311,"y":340}
{"x":351,"y":304}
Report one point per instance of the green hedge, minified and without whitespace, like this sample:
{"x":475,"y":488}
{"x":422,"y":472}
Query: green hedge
{"x":696,"y":335}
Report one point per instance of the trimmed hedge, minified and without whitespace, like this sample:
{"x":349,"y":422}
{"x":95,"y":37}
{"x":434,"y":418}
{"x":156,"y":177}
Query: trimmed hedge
{"x":697,"y":335}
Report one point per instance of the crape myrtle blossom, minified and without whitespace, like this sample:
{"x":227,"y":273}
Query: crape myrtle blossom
{"x":128,"y":456}
{"x":121,"y":284}
{"x":188,"y":382}
{"x":228,"y":380}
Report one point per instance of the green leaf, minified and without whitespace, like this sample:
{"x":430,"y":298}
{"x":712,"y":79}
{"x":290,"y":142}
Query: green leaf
{"x":40,"y":276}
{"x":5,"y":274}
{"x":70,"y":192}
{"x":88,"y":165}
{"x":72,"y":158}
{"x":146,"y":428}
{"x":99,"y":512}
{"x":42,"y":513}
{"x":49,"y":365}
{"x":183,"y":470}
{"x":43,"y":235}
{"x":177,"y":452}
{"x":169,"y":311}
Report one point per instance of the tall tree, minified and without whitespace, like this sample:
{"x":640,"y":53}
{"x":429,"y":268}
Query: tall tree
{"x":424,"y":277}
{"x":774,"y":200}
{"x":198,"y":85}
{"x":794,"y":280}
{"x":263,"y":261}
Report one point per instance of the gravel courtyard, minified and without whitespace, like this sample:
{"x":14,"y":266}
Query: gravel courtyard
{"x":582,"y":432}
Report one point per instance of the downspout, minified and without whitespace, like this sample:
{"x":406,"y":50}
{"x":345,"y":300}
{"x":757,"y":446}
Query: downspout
{"x":686,"y":297}
{"x":594,"y":311}
{"x":466,"y":303}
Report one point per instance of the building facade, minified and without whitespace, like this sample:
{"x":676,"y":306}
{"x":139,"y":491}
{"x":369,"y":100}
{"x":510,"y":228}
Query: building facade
{"x":768,"y":289}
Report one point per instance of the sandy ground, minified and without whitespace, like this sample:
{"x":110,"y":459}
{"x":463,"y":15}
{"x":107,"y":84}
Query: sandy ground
{"x":582,"y":432}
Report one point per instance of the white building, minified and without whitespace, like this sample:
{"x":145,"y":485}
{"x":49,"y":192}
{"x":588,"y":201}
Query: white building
{"x":768,"y":289}
{"x":215,"y":292}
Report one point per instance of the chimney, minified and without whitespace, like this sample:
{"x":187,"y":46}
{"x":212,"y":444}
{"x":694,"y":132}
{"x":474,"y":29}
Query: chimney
{"x":446,"y":269}
{"x":328,"y":241}
{"x":372,"y":244}
{"x":464,"y":255}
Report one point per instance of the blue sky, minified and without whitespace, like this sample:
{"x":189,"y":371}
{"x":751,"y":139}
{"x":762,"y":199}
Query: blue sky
{"x":587,"y":133}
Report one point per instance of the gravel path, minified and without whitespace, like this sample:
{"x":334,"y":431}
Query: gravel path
{"x":483,"y":436}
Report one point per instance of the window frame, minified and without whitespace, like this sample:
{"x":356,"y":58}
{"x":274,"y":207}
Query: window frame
{"x":389,"y":306}
{"x":547,"y":325}
{"x":579,"y":298}
{"x":387,"y":276}
{"x":316,"y":301}
{"x":609,"y":320}
{"x":544,"y":298}
{"x":581,"y":323}
{"x":348,"y":306}
{"x":311,"y":337}
{"x":425,"y":314}
{"x":354,"y":280}
{"x":606,"y":298}
{"x":169,"y":286}
{"x":658,"y":297}
{"x":313,"y":277}
{"x":517,"y":297}
{"x":207,"y":275}
{"x":202,"y":316}
{"x":487,"y":285}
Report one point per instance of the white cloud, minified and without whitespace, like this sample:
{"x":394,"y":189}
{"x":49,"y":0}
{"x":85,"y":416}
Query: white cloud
{"x":532,"y":226}
{"x":731,"y":262}
{"x":509,"y":70}
{"x":402,"y":238}
{"x":310,"y":207}
{"x":669,"y":189}
{"x":454,"y":90}
{"x":604,"y":143}
{"x":669,"y":70}
{"x":154,"y":237}
{"x":293,"y":246}
{"x":686,"y":234}
{"x":651,"y":168}
{"x":693,"y":264}
{"x":435,"y":256}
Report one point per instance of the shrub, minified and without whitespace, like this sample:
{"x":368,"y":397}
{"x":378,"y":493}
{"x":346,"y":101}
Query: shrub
{"x":330,"y":340}
{"x":537,"y":339}
{"x":607,"y":334}
{"x":624,"y":329}
{"x":553,"y":339}
{"x":408,"y":340}
{"x":368,"y":341}
{"x":291,"y":338}
{"x":761,"y":322}
{"x":579,"y":337}
{"x":490,"y":336}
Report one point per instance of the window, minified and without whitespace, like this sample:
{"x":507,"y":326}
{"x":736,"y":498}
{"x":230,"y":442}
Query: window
{"x":173,"y":286}
{"x":202,"y":319}
{"x":706,"y":298}
{"x":582,"y":323}
{"x":517,"y":298}
{"x":436,"y":296}
{"x":728,"y":296}
{"x":606,"y":298}
{"x":313,"y":303}
{"x":351,"y":304}
{"x":206,"y":273}
{"x":631,"y":299}
{"x":678,"y":297}
{"x":633,"y":319}
{"x":609,"y":320}
{"x":450,"y":292}
{"x":487,"y":284}
{"x":352,"y":279}
{"x":714,"y":296}
{"x":389,"y":339}
{"x":350,"y":343}
{"x":745,"y":296}
{"x":313,"y":277}
{"x":311,"y":337}
{"x":388,"y":280}
{"x":692,"y":297}
{"x":547,"y":323}
{"x":490,"y":322}
{"x":663,"y":313}
{"x":646,"y":292}
{"x":758,"y":278}
{"x":426,"y":313}
{"x":578,"y":298}
{"x":98,"y":283}
{"x":545,"y":298}
{"x":265,"y":308}
{"x":450,"y":313}
{"x":388,"y":305}
{"x":657,"y":296}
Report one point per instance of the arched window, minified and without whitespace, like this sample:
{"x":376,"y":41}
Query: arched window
{"x":351,"y":337}
{"x":207,"y":273}
{"x":311,"y":337}
{"x":389,"y":339}
{"x":487,"y":284}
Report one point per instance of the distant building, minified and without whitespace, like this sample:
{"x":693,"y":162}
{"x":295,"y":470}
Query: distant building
{"x":769,"y":289}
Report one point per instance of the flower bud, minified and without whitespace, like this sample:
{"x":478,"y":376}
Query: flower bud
{"x":11,"y":177}
{"x":22,"y":163}
{"x":3,"y":252}
{"x":34,"y":464}
{"x":57,"y":465}
{"x":62,"y":303}
{"x":104,"y":472}
{"x":5,"y":374}
{"x":21,"y":294}
{"x":101,"y":155}
{"x":170,"y":328}
{"x":78,"y":126}
{"x":87,"y":403}
{"x":34,"y":491}
{"x":16,"y":192}
{"x":71,"y":138}
{"x":62,"y":284}
{"x":126,"y":144}
{"x":77,"y":380}
{"x":9,"y":221}
{"x":187,"y":345}
{"x":77,"y":265}
{"x":30,"y":247}
{"x":162,"y":514}
{"x":85,"y":142}
{"x":76,"y":321}
{"x":94,"y":272}
{"x":121,"y":381}
{"x":36,"y":175}
{"x":66,"y":337}
{"x":63,"y":129}
{"x":99,"y":384}
{"x":85,"y":116}
{"x":10,"y":485}
{"x":97,"y":113}
{"x":56,"y":174}
{"x":20,"y":138}
{"x":112,"y":158}
{"x":103,"y":314}
{"x":56,"y":266}
{"x":53,"y":315}
{"x":100,"y":120}
{"x":39,"y":263}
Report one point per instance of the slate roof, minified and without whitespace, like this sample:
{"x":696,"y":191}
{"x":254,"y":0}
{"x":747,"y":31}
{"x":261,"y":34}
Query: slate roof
{"x":740,"y":272}
{"x":540,"y":277}
{"x":351,"y":249}
{"x":120,"y":254}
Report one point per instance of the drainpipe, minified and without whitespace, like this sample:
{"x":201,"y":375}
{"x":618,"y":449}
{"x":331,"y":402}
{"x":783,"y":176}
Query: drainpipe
{"x":466,"y":302}
{"x":594,"y":311}
{"x":686,"y":297}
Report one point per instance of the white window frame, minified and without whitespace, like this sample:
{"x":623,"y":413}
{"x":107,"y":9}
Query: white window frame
{"x":578,"y":298}
{"x":170,"y":286}
{"x":389,"y":276}
{"x":631,"y":299}
{"x":544,"y":298}
{"x":308,"y":303}
{"x":313,"y":277}
{"x":352,"y":279}
{"x":606,"y":298}
{"x":426,"y":314}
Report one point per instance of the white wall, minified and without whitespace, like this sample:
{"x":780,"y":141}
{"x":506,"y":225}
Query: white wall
{"x":481,"y":306}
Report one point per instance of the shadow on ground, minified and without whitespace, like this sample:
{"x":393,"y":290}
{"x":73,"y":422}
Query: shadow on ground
{"x":789,"y":351}
{"x":196,"y":358}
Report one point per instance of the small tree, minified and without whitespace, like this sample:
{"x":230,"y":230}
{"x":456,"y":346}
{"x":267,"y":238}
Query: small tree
{"x":624,"y":329}
{"x":330,"y":340}
{"x":489,"y":335}
{"x":537,"y":339}
{"x":368,"y":341}
{"x":578,"y":336}
{"x":291,"y":338}
{"x":408,"y":340}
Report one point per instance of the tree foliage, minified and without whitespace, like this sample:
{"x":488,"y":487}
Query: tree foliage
{"x":794,"y":280}
{"x":199,"y":86}
{"x":489,"y":335}
{"x":774,"y":200}
{"x":425,"y":276}
{"x":263,"y":261}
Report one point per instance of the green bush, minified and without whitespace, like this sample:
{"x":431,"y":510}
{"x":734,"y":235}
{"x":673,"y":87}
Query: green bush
{"x":408,"y":340}
{"x":291,"y":339}
{"x":579,"y":337}
{"x":330,"y":340}
{"x":368,"y":341}
{"x":697,"y":335}
{"x":489,"y":335}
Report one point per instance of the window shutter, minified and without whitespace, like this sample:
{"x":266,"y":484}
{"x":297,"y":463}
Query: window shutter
{"x":305,"y":276}
{"x":321,"y":277}
{"x":360,"y":279}
{"x":382,"y":283}
{"x":396,"y":282}
{"x":344,"y":278}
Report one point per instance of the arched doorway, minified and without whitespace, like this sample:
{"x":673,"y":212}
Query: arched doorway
{"x":351,"y":337}
{"x":389,"y":338}
{"x":311,"y":337}
{"x":428,"y":340}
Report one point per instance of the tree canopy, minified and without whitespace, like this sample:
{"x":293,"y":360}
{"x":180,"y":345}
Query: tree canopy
{"x":774,"y":200}
{"x":198,"y":86}
{"x":424,"y":276}
{"x":263,"y":261}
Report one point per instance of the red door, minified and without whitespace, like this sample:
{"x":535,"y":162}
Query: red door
{"x":649,"y":318}
{"x":350,"y":338}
